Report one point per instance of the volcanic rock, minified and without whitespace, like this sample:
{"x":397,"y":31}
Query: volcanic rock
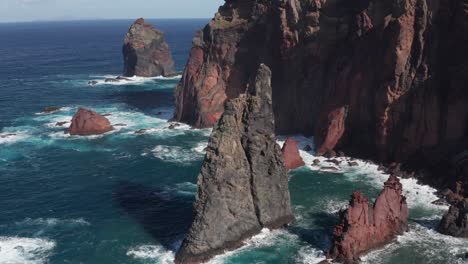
{"x":146,"y":52}
{"x":87,"y":122}
{"x":361,"y":228}
{"x":61,"y":123}
{"x":140,"y":131}
{"x":378,"y":79}
{"x":308,"y":148}
{"x":291,"y":157}
{"x":455,"y":221}
{"x":51,"y":109}
{"x":316,"y":162}
{"x":353,"y":163}
{"x":243,"y":184}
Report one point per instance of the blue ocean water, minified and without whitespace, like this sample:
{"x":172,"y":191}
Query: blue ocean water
{"x":127,"y":198}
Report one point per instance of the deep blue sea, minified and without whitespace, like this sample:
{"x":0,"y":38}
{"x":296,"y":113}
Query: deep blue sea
{"x":127,"y":198}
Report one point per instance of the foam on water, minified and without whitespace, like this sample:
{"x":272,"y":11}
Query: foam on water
{"x":175,"y":154}
{"x":152,"y":254}
{"x":417,"y":195}
{"x":435,"y":247}
{"x":309,"y":255}
{"x":266,"y":238}
{"x":15,"y":250}
{"x":52,"y":222}
{"x":135,"y":80}
{"x":13,"y":137}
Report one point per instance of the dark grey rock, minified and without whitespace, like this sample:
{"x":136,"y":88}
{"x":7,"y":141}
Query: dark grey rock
{"x":243,"y":184}
{"x":146,"y":52}
{"x":455,"y":221}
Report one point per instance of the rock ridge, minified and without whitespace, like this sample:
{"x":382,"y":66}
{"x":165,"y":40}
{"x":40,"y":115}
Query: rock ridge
{"x":362,"y":228}
{"x":243,"y":184}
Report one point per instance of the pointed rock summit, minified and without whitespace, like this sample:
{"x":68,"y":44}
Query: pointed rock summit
{"x":146,"y":52}
{"x":291,"y":156}
{"x":363,"y":228}
{"x":86,"y":122}
{"x":243,"y":184}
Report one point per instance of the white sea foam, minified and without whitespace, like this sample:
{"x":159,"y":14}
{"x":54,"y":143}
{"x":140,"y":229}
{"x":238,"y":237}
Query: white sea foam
{"x":13,"y":137}
{"x":174,"y":154}
{"x":50,"y":222}
{"x":155,"y":253}
{"x":435,"y":247}
{"x":200,"y":147}
{"x":417,"y":195}
{"x":16,"y":250}
{"x":309,"y":255}
{"x":135,"y":80}
{"x":266,"y":238}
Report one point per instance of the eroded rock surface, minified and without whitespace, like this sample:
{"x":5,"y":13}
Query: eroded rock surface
{"x":455,"y":221}
{"x":362,"y":228}
{"x":243,"y":184}
{"x":397,"y":67}
{"x":86,"y":122}
{"x":291,"y":156}
{"x":146,"y":52}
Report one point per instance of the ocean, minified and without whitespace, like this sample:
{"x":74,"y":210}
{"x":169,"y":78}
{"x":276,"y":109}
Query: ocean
{"x":127,"y":198}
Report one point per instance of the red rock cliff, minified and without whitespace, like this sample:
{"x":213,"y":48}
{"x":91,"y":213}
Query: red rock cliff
{"x":362,"y":228}
{"x":380,"y":79}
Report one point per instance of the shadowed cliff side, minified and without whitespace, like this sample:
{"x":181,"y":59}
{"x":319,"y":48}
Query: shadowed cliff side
{"x":243,"y":184}
{"x":378,"y":79}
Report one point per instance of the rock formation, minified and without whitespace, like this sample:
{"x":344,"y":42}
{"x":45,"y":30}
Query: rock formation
{"x":86,"y":122}
{"x":291,"y":157}
{"x":378,"y":79}
{"x":146,"y":52}
{"x":362,"y":228}
{"x":243,"y":184}
{"x":455,"y":221}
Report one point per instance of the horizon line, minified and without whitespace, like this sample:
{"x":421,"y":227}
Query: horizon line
{"x":99,"y":19}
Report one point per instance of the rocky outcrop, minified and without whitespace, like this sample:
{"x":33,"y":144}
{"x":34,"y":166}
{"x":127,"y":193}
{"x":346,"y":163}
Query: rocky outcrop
{"x":362,"y":228}
{"x":243,"y":184}
{"x":146,"y":52}
{"x":86,"y":122}
{"x":378,"y":79}
{"x":455,"y":221}
{"x":291,"y":157}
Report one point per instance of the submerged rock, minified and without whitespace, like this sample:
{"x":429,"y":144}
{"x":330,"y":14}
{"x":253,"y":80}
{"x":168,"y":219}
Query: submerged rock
{"x":51,"y":109}
{"x":362,"y":228}
{"x":243,"y":184}
{"x":146,"y":52}
{"x":140,"y":131}
{"x":87,"y":122}
{"x":455,"y":220}
{"x":61,"y":123}
{"x":291,"y":157}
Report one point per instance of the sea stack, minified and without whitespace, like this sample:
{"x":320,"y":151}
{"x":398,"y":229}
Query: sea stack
{"x":455,"y":220}
{"x":86,"y":122}
{"x":291,"y":157}
{"x":362,"y":228}
{"x":243,"y":184}
{"x":146,"y":52}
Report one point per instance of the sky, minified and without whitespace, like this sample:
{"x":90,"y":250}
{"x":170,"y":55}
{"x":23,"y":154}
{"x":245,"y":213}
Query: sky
{"x":49,"y":10}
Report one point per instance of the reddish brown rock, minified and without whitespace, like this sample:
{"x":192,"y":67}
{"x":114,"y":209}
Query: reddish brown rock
{"x":87,"y":122}
{"x":332,"y":131}
{"x":362,"y":228}
{"x":397,"y":67}
{"x":291,"y":157}
{"x":146,"y":52}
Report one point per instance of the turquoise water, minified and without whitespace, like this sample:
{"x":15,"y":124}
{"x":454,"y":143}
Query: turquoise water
{"x":126,"y":198}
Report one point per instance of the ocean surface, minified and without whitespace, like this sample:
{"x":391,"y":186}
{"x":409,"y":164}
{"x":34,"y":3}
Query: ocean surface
{"x":127,"y":198}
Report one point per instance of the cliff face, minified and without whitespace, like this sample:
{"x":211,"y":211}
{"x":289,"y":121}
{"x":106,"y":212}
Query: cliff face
{"x":380,"y":79}
{"x":363,"y":228}
{"x":243,"y":184}
{"x":146,"y":52}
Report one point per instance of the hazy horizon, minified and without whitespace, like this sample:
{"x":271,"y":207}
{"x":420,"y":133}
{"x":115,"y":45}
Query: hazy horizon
{"x":18,"y":11}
